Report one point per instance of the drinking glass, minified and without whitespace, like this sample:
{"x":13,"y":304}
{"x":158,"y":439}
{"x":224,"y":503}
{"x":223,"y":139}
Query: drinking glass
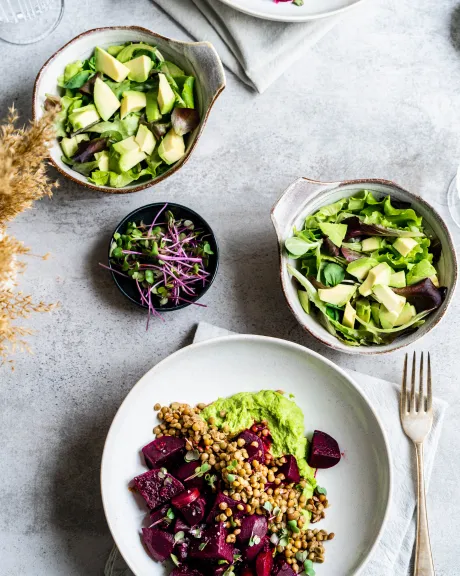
{"x":453,"y":197}
{"x":28,"y":21}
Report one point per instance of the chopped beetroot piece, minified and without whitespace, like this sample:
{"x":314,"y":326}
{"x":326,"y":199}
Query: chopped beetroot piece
{"x":264,"y":563}
{"x":290,"y":469}
{"x":194,"y":512}
{"x":180,"y":526}
{"x":164,"y":451}
{"x":186,"y":470}
{"x":283,"y":569}
{"x":181,"y":550}
{"x":253,"y":525}
{"x":258,"y":429}
{"x":185,"y":571}
{"x":212,"y":545}
{"x":160,"y":544}
{"x":215,"y":510}
{"x":158,"y":518}
{"x":185,"y":498}
{"x":325,"y":451}
{"x":157,"y":487}
{"x":250,"y":552}
{"x":256,"y":451}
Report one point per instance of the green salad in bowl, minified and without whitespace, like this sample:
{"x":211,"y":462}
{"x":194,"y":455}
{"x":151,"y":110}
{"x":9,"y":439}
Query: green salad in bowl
{"x":125,"y":114}
{"x":367,"y":268}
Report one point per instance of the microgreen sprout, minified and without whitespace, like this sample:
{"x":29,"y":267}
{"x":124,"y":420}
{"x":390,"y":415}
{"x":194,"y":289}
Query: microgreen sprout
{"x":268,"y":506}
{"x":175,"y":559}
{"x":167,"y":260}
{"x":179,"y":537}
{"x":211,"y":480}
{"x":254,"y":540}
{"x":170,"y":514}
{"x":192,"y":455}
{"x":321,"y":490}
{"x":199,"y":471}
{"x":231,"y":478}
{"x":202,"y":546}
{"x":308,"y":567}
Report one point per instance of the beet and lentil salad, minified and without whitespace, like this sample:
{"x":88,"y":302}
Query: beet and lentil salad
{"x":232,"y":489}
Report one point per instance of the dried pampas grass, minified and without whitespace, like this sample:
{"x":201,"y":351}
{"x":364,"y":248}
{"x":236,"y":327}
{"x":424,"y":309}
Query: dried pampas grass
{"x":23,"y":179}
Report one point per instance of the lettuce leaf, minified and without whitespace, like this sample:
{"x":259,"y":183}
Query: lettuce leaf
{"x":420,"y":271}
{"x":126,"y":127}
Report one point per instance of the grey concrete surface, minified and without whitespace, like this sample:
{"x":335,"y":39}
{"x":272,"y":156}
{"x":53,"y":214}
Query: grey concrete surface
{"x":378,"y":97}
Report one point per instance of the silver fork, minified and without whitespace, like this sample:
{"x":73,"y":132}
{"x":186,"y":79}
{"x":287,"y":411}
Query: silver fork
{"x":416,"y":419}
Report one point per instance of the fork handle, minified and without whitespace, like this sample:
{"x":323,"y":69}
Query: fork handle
{"x":423,"y":558}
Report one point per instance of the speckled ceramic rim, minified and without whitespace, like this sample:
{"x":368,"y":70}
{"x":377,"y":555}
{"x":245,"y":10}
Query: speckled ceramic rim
{"x":174,"y":168}
{"x":371,"y":350}
{"x":176,"y":356}
{"x":196,"y":218}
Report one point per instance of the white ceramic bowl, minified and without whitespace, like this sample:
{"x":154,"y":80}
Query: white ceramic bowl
{"x":305,"y":197}
{"x":197,"y":58}
{"x":330,"y":401}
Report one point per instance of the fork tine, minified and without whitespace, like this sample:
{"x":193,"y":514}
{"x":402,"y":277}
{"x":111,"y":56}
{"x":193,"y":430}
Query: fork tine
{"x":403,"y":400}
{"x":421,"y":399}
{"x":429,"y":400}
{"x":412,"y":389}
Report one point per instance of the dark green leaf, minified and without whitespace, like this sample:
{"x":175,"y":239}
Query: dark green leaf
{"x":78,"y":80}
{"x":333,"y":274}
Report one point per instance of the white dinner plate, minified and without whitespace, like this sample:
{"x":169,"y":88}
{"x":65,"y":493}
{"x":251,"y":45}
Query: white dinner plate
{"x":358,"y":487}
{"x":288,"y":12}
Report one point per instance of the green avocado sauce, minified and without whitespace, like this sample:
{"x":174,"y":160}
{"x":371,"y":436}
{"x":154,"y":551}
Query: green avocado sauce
{"x":285,"y":422}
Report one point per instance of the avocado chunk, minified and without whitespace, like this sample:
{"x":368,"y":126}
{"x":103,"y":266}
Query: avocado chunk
{"x":335,"y":232}
{"x":304,"y":300}
{"x":375,"y":312}
{"x":370,"y":244}
{"x":166,"y":97}
{"x":349,"y":316}
{"x":126,"y":145}
{"x":102,"y":160}
{"x":110,"y":66}
{"x":151,"y":109}
{"x":363,"y":309}
{"x":171,"y":148}
{"x":338,"y":295}
{"x":398,"y":279}
{"x":380,"y":274}
{"x":404,"y":245}
{"x":387,"y":319}
{"x":385,"y":295}
{"x":70,"y":145}
{"x":139,"y":68}
{"x":115,"y":50}
{"x":83,"y":117}
{"x":360,"y":268}
{"x":129,"y":159}
{"x":408,"y":312}
{"x":127,"y":52}
{"x":105,"y":100}
{"x":145,"y":139}
{"x":133,"y":101}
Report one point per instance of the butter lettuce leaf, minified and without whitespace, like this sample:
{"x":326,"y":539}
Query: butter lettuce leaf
{"x":420,"y":271}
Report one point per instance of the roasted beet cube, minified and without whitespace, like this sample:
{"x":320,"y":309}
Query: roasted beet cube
{"x":212,"y":545}
{"x":253,"y":525}
{"x":215,"y":510}
{"x":160,"y":544}
{"x":157,"y":487}
{"x":250,"y":552}
{"x":264,"y":563}
{"x":181,"y":550}
{"x":158,"y":518}
{"x":290,"y":469}
{"x":185,"y":498}
{"x":283,"y":569}
{"x":194,"y":512}
{"x":253,"y":445}
{"x":180,"y":526}
{"x":186,"y":470}
{"x":164,"y":451}
{"x":185,"y":571}
{"x":325,"y":451}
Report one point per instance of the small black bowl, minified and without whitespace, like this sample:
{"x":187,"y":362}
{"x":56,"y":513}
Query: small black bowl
{"x":146,"y":213}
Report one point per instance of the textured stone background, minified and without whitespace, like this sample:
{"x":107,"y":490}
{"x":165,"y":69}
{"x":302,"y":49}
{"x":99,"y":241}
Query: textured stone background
{"x":378,"y":97}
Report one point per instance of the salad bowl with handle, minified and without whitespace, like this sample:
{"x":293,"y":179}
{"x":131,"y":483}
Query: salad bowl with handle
{"x":198,"y":59}
{"x":304,"y":197}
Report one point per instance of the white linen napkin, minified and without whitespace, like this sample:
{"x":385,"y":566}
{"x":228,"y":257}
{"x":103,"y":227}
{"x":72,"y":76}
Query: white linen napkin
{"x":257,"y":51}
{"x":394,"y":552}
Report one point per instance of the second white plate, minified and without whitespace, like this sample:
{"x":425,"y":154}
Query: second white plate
{"x":358,"y":487}
{"x":288,"y":12}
